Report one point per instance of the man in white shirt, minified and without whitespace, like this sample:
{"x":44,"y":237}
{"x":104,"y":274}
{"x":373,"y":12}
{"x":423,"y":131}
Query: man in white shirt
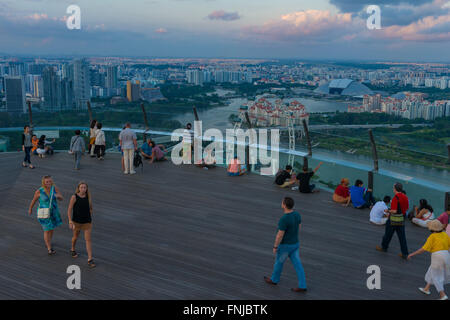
{"x":378,"y":215}
{"x":128,"y":144}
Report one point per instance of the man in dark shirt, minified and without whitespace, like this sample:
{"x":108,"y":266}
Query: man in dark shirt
{"x":304,"y":178}
{"x":285,"y":178}
{"x":287,"y":245}
{"x":399,"y":203}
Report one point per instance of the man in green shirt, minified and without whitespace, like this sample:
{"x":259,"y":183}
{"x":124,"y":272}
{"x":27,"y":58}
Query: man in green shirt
{"x":287,"y":245}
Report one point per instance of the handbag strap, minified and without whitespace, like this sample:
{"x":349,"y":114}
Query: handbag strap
{"x":73,"y":142}
{"x":51,"y":197}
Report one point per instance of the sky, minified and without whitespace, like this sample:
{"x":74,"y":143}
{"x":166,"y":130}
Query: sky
{"x":411,"y":30}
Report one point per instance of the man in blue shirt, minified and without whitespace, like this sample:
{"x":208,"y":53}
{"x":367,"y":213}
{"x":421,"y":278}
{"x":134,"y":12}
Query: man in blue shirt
{"x":360,"y":197}
{"x":287,"y":245}
{"x":146,"y":149}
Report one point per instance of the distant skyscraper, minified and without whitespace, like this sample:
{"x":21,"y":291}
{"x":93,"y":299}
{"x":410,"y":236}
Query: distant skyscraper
{"x":50,"y":82}
{"x":133,"y":90}
{"x":15,"y":95}
{"x":111,"y":77}
{"x":58,"y":93}
{"x":81,"y":86}
{"x":195,"y":77}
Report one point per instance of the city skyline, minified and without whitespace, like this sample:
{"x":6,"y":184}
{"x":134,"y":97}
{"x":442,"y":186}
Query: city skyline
{"x":411,"y":30}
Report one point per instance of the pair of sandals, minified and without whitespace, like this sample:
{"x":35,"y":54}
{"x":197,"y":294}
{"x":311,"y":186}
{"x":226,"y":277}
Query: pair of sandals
{"x":91,"y":262}
{"x":30,"y":166}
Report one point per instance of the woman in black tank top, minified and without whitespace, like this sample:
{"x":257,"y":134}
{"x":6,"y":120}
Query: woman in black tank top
{"x":80,"y":218}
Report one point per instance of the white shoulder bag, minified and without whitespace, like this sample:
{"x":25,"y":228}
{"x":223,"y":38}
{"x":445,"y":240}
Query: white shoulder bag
{"x":44,"y":213}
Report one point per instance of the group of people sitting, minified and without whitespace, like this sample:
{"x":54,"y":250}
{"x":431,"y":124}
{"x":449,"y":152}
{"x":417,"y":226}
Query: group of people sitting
{"x":152,"y":151}
{"x":41,"y":146}
{"x":361,"y":198}
{"x":301,"y":181}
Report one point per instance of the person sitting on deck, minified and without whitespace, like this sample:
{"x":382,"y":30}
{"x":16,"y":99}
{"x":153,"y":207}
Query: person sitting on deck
{"x":146,"y":149}
{"x":444,"y":217}
{"x":157,"y":153}
{"x":207,"y":162}
{"x":43,"y":146}
{"x":342,"y":192}
{"x":285,"y":178}
{"x":360,"y":197}
{"x":235,"y":168}
{"x":34,"y":142}
{"x":421,"y":215}
{"x":378,"y":213}
{"x":304,"y":178}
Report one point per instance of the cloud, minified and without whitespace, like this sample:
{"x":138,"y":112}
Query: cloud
{"x":312,"y":25}
{"x":353,"y":6}
{"x":225,"y":16}
{"x":161,"y":30}
{"x":428,"y":29}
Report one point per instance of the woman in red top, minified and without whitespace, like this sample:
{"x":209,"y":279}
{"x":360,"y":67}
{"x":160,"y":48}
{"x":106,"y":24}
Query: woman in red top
{"x":342,"y":192}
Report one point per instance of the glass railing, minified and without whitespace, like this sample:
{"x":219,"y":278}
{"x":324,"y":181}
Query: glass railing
{"x":417,"y":184}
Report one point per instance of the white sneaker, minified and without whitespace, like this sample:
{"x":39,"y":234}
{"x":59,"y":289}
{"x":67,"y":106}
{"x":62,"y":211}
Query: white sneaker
{"x":125,"y":172}
{"x":424,"y":291}
{"x":444,"y":298}
{"x":294,"y":188}
{"x":133,"y":172}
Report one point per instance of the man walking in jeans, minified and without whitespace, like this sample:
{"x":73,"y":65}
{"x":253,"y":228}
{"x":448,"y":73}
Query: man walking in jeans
{"x":399,"y":204}
{"x":128,"y":144}
{"x":287,"y":245}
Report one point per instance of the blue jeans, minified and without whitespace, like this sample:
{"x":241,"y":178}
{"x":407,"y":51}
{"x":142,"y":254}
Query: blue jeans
{"x":284,"y":251}
{"x":27,"y":154}
{"x":77,"y":155}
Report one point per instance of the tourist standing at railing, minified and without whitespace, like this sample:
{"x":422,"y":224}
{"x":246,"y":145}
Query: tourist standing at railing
{"x":27,"y":145}
{"x":80,"y":219}
{"x":421,"y":215}
{"x":128,"y":144}
{"x":287,"y":245}
{"x":77,"y":148}
{"x":438,"y":244}
{"x":48,"y":212}
{"x":396,"y":221}
{"x":100,"y":142}
{"x":92,"y":135}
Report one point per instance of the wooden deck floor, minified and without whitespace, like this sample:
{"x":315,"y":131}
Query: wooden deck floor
{"x":180,"y":232}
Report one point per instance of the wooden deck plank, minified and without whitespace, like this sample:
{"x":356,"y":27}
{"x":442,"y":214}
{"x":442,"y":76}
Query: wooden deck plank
{"x":180,"y":232}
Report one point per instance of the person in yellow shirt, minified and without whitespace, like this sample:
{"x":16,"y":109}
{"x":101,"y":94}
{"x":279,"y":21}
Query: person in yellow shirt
{"x":438,"y":244}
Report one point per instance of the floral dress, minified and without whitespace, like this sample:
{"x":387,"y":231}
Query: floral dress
{"x":44,"y":202}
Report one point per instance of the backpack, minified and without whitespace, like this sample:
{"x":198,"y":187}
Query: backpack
{"x":138,"y":160}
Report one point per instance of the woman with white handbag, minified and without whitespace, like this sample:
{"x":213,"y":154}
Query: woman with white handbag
{"x":48,"y":212}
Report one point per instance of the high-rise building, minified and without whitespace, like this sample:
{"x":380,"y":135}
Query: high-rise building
{"x":15,"y":94}
{"x":195,"y":77}
{"x":111,"y":77}
{"x":50,"y":82}
{"x":133,"y":90}
{"x":81,"y":86}
{"x":58,"y":93}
